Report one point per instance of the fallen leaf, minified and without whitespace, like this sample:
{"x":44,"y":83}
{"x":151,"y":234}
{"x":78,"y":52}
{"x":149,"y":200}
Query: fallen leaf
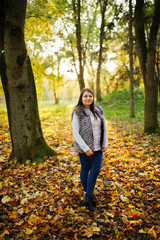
{"x":152,"y":233}
{"x":6,"y":199}
{"x":124,"y":199}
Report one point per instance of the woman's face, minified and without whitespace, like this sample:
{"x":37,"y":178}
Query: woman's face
{"x":87,"y":99}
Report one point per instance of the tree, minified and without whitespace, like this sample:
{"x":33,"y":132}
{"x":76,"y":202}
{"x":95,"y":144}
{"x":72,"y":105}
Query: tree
{"x":78,"y":33}
{"x":19,"y":87}
{"x":147,"y":54}
{"x":132,"y":114}
{"x":103,"y":5}
{"x":158,"y":64}
{"x":54,"y":77}
{"x":77,"y":16}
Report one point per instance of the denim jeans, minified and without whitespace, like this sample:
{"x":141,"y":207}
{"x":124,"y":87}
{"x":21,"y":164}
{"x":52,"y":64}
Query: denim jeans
{"x":90,"y":169}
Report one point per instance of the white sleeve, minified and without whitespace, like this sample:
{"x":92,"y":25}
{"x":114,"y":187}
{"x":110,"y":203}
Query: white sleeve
{"x":105,"y":136}
{"x":76,"y":135}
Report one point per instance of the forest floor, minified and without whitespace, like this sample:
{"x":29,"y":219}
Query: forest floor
{"x":44,"y":201}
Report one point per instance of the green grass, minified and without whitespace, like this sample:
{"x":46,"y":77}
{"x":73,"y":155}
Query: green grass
{"x":3,"y":108}
{"x":63,"y":108}
{"x":116,"y":106}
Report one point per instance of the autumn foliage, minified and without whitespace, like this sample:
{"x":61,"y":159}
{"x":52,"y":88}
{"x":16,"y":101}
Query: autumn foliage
{"x":44,"y":201}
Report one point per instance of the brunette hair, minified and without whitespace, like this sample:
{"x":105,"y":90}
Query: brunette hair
{"x":80,"y":103}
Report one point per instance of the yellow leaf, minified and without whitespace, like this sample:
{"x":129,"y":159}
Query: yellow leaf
{"x":13,"y":214}
{"x":124,"y":199}
{"x":43,"y":221}
{"x":56,"y":218}
{"x":152,"y":233}
{"x":75,"y":237}
{"x":6,"y":199}
{"x":1,"y":185}
{"x":94,"y":224}
{"x":32,"y":219}
{"x":110,"y":214}
{"x":142,"y":231}
{"x":139,"y":193}
{"x":20,"y":223}
{"x":101,"y":186}
{"x":136,"y":222}
{"x":71,"y":211}
{"x":20,"y":211}
{"x":28,"y":162}
{"x":125,"y":165}
{"x":131,"y":206}
{"x":127,"y":193}
{"x":89,"y":232}
{"x":60,"y":210}
{"x":2,"y":160}
{"x":24,"y":200}
{"x":4,"y":233}
{"x":125,"y":219}
{"x":29,"y":231}
{"x":96,"y":229}
{"x":76,"y":183}
{"x":41,"y":166}
{"x":67,"y":190}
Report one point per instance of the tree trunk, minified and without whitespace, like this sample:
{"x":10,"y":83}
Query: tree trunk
{"x":140,"y":37}
{"x":132,"y":112}
{"x":103,"y":5}
{"x":56,"y":98}
{"x":158,"y":67}
{"x":19,"y":88}
{"x":147,"y":62}
{"x":2,"y":19}
{"x":78,"y":37}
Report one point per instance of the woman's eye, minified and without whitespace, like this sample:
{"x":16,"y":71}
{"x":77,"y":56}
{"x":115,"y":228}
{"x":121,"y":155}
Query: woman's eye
{"x":86,"y":96}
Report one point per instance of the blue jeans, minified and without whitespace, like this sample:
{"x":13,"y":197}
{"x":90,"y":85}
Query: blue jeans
{"x":90,"y":169}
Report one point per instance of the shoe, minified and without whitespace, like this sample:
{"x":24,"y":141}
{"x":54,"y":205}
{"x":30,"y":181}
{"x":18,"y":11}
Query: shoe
{"x":93,"y":199}
{"x":87,"y":201}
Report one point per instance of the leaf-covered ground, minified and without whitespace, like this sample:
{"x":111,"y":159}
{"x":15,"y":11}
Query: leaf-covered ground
{"x":44,"y":201}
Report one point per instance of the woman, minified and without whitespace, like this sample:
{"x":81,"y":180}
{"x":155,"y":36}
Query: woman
{"x":91,"y":140}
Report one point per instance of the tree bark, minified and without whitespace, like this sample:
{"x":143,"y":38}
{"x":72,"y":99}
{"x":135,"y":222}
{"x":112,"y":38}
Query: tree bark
{"x":147,"y":62}
{"x":103,"y":5}
{"x":132,"y":112}
{"x":140,"y":37}
{"x":56,"y":98}
{"x":158,"y":67}
{"x":2,"y":19}
{"x":77,"y":16}
{"x":19,"y":88}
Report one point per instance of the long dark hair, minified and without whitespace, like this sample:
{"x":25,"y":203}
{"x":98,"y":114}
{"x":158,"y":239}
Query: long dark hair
{"x":80,"y":103}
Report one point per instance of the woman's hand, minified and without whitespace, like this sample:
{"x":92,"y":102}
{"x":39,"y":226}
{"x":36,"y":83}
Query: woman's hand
{"x":104,"y":149}
{"x":89,"y":152}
